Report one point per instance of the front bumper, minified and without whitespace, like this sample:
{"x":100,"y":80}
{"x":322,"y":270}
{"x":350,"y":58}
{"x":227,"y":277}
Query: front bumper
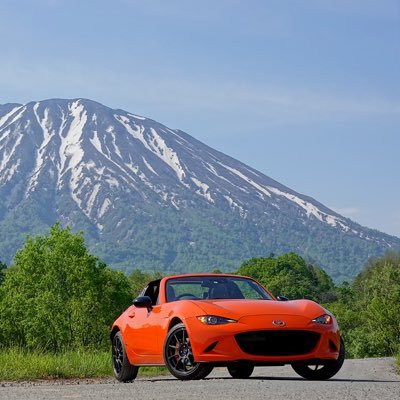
{"x":257,"y":339}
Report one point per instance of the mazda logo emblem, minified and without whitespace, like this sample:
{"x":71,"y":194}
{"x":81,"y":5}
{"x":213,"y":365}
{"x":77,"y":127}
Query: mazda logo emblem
{"x":278,"y":322}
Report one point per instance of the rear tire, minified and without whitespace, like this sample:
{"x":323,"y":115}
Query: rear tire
{"x":240,"y":370}
{"x":124,"y":371}
{"x":179,"y":358}
{"x":321,"y":372}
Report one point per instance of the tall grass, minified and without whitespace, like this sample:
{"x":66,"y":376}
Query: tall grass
{"x":19,"y":364}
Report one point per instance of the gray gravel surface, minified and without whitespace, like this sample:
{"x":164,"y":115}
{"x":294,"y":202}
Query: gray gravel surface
{"x":358,"y":379}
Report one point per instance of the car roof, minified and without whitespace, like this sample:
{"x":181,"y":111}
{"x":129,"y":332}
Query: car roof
{"x":205,"y":274}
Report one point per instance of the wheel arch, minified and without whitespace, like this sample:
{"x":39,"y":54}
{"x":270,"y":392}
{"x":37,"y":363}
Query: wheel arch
{"x":113,"y":332}
{"x":174,"y":321}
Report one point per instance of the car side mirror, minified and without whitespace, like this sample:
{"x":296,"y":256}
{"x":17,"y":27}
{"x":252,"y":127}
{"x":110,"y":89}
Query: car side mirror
{"x":143,"y":302}
{"x":282,"y":298}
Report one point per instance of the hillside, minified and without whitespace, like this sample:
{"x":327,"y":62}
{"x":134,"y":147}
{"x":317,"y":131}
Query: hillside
{"x":156,"y":198}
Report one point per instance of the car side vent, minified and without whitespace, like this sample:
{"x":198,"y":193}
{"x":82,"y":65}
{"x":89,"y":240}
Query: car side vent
{"x":332,"y":346}
{"x":211,"y":347}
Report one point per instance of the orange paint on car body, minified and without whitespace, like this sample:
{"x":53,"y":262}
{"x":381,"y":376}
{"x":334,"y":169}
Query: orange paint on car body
{"x":238,"y":326}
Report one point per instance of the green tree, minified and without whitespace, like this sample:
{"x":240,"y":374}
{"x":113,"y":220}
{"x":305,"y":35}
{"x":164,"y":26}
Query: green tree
{"x":57,"y":295}
{"x":368,"y":310}
{"x":291,"y":276}
{"x":378,"y":290}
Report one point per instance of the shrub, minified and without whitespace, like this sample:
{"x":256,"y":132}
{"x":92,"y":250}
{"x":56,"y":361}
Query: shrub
{"x":57,"y":296}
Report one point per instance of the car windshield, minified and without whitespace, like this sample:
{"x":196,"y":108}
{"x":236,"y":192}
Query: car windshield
{"x":214,"y":287}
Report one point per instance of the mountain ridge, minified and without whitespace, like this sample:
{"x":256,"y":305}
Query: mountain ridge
{"x":158,"y":195}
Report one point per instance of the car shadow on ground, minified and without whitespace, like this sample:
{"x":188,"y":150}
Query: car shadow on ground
{"x":276,"y":378}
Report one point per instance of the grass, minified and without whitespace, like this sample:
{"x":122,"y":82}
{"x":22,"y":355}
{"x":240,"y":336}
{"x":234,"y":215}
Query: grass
{"x":398,"y":363}
{"x":18,"y":364}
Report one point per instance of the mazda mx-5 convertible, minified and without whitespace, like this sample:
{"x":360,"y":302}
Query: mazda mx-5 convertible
{"x":193,"y":323}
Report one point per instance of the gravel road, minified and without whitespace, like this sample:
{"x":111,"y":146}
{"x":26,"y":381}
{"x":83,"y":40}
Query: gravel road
{"x":358,"y":379}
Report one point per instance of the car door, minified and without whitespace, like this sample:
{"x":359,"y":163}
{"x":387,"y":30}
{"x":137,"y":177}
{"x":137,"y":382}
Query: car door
{"x":144,"y":326}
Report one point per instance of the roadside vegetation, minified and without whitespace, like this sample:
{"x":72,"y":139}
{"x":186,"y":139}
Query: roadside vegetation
{"x":17,"y":364}
{"x":368,"y":310}
{"x":57,"y":303}
{"x":23,"y":364}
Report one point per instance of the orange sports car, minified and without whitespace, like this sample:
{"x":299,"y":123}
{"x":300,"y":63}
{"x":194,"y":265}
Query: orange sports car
{"x":192,"y":323}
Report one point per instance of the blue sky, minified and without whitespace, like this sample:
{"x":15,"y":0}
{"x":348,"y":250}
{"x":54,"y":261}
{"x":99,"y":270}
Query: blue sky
{"x":306,"y":91}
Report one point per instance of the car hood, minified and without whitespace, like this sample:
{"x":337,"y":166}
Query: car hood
{"x":237,"y":309}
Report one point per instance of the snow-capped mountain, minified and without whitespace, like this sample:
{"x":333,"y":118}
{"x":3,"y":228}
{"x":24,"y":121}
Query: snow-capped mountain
{"x":156,"y":198}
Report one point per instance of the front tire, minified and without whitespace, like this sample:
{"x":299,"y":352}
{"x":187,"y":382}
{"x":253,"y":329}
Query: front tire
{"x":179,"y":358}
{"x":124,"y":371}
{"x":321,"y":372}
{"x":240,"y":370}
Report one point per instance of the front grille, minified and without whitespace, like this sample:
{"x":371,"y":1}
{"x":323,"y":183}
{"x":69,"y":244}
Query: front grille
{"x":277,"y":342}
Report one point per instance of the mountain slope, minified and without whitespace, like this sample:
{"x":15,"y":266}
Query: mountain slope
{"x":151,"y":197}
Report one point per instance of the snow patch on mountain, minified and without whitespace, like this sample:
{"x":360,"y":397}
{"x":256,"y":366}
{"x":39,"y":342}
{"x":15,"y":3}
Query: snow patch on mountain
{"x":4,"y":120}
{"x":71,"y":152}
{"x":234,"y":205}
{"x":92,"y":199}
{"x":9,"y":173}
{"x":311,"y":209}
{"x":41,"y":152}
{"x":137,"y":117}
{"x":96,"y":142}
{"x":5,"y":161}
{"x":260,"y":188}
{"x":104,"y":207}
{"x":149,"y":167}
{"x":204,"y":189}
{"x":156,"y":144}
{"x":167,"y":154}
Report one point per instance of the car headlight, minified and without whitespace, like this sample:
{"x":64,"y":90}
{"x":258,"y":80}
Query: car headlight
{"x":324,"y":319}
{"x":214,"y":320}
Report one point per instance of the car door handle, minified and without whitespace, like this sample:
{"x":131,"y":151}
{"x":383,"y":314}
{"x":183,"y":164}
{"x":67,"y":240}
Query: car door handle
{"x":131,"y":314}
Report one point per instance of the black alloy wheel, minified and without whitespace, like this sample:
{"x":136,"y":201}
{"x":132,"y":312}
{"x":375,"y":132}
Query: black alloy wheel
{"x":321,"y":372}
{"x":124,"y":371}
{"x":179,"y":358}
